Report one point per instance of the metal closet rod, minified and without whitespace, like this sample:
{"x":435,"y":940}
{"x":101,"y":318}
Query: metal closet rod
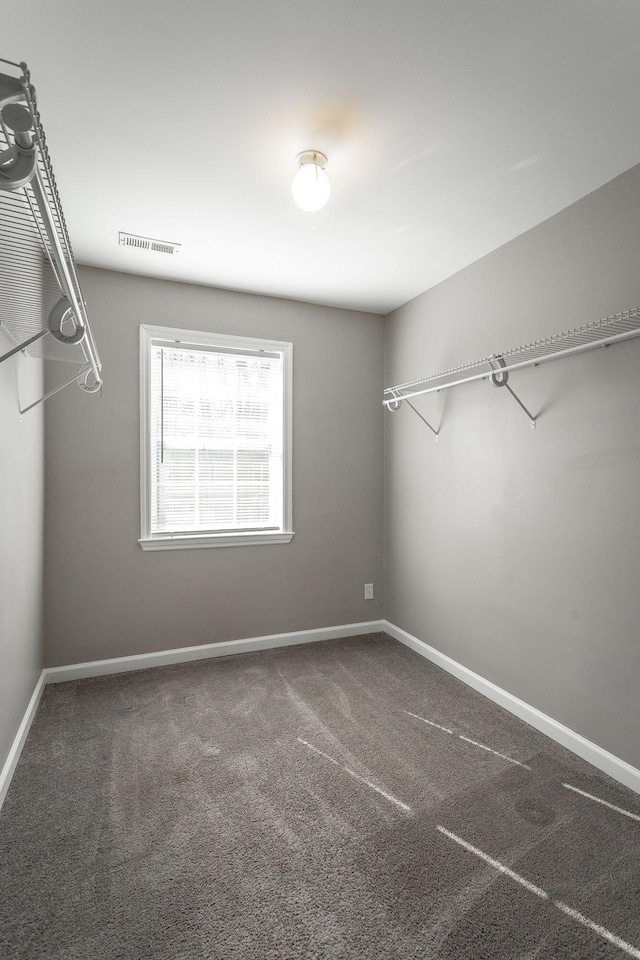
{"x":50,"y":210}
{"x":601,"y":333}
{"x":39,"y":202}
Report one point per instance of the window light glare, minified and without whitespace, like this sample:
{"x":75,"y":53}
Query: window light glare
{"x":311,"y":187}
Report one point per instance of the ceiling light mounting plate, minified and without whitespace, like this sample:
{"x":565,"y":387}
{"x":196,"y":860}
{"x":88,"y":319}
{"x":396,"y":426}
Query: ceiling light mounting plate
{"x":312,"y":156}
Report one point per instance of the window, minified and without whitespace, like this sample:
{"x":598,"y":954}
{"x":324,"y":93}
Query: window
{"x":215,"y":439}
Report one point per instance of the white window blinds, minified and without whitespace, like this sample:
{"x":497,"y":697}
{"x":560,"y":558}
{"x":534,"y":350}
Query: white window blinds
{"x":216,"y":431}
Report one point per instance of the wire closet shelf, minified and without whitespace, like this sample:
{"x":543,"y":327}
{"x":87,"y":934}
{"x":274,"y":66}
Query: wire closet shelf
{"x":599,"y":333}
{"x":42,"y":309}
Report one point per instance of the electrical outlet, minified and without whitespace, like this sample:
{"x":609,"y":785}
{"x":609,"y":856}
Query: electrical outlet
{"x":368,"y":591}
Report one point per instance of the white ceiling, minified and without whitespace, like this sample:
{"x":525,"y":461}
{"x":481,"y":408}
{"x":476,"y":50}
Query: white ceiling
{"x":451,"y":126}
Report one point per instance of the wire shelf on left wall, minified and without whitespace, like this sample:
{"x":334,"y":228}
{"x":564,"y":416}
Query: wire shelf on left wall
{"x":42,"y":309}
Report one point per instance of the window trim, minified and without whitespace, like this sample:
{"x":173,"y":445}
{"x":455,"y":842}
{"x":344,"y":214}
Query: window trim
{"x":195,"y":339}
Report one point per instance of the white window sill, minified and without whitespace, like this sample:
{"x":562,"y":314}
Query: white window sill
{"x":198,"y":541}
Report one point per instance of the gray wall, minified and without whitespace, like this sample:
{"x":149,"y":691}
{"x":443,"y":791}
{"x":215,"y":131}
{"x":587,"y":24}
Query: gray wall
{"x":104,"y":597}
{"x":517,"y":552}
{"x":21,"y":503}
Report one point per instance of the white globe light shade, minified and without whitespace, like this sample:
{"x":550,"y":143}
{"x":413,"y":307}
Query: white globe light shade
{"x":311,"y":187}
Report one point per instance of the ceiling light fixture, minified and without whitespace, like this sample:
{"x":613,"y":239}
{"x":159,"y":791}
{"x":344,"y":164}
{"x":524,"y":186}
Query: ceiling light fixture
{"x":311,"y":186}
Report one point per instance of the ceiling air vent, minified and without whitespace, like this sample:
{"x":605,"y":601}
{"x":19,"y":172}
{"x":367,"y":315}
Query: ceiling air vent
{"x":147,"y":243}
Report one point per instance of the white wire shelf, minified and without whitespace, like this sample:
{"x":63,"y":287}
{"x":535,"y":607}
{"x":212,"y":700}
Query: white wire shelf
{"x":38,"y":275}
{"x":600,"y":333}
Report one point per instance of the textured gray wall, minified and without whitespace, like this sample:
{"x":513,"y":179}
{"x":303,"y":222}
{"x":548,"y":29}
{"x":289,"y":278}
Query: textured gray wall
{"x":104,"y":597}
{"x":517,"y":552}
{"x":21,"y":506}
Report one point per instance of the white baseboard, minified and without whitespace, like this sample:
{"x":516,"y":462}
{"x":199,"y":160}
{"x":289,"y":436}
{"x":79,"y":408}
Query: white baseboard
{"x":618,"y":769}
{"x":591,"y":752}
{"x":225,"y":648}
{"x":18,"y":743}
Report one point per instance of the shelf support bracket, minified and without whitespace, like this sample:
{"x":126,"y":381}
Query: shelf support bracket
{"x":86,"y":369}
{"x":418,"y":414}
{"x":23,"y":346}
{"x":398,"y":399}
{"x":500,"y":378}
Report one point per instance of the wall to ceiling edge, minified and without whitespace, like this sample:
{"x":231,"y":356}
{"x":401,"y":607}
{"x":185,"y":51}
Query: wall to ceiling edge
{"x":516,"y":552}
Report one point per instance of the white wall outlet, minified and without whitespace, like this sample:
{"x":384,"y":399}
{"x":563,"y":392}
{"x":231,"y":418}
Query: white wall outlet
{"x":368,"y":591}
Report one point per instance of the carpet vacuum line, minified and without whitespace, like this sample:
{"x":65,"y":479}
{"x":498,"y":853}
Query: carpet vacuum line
{"x":568,"y":911}
{"x":356,"y":776}
{"x":589,"y":796}
{"x":467,"y":740}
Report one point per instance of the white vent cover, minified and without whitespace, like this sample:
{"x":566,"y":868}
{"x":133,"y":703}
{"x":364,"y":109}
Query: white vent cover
{"x":147,"y":243}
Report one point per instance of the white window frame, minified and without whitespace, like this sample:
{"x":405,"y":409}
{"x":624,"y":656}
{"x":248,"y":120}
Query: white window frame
{"x":197,"y":338}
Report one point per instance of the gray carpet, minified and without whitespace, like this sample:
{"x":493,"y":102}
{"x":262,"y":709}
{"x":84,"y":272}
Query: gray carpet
{"x":296,"y":804}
